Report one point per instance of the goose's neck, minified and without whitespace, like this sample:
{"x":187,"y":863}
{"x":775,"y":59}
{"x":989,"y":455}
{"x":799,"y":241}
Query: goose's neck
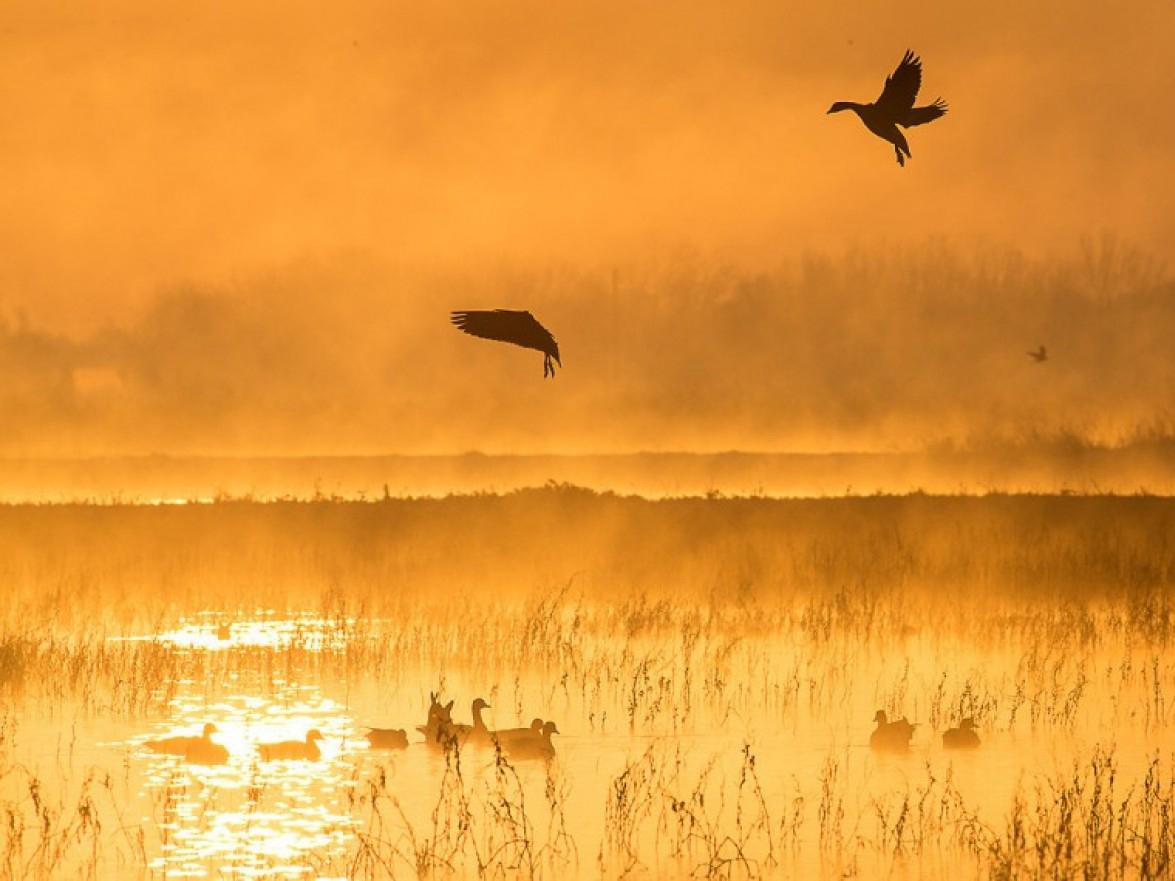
{"x":847,"y":105}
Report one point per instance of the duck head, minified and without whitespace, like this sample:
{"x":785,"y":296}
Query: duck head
{"x":312,"y":735}
{"x":550,"y":728}
{"x":842,"y":105}
{"x":436,"y":708}
{"x":880,"y":717}
{"x":438,"y":712}
{"x":536,"y":724}
{"x":209,"y":729}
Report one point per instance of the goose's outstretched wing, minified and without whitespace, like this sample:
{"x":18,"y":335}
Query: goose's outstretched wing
{"x":901,"y":87}
{"x":923,"y":115}
{"x":507,"y":326}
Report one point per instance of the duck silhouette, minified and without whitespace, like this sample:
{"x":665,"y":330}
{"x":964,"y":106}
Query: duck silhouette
{"x":893,"y":736}
{"x":205,"y":751}
{"x":293,"y":750}
{"x":1040,"y":355}
{"x":387,"y":738}
{"x":536,"y":728}
{"x":436,"y":729}
{"x":477,"y":732}
{"x":531,"y":745}
{"x":179,"y":745}
{"x":963,"y":737}
{"x":895,"y":106}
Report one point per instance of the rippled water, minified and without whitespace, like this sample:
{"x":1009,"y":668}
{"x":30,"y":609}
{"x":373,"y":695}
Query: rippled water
{"x":307,"y":819}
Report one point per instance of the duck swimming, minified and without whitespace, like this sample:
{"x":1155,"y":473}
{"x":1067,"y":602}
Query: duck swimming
{"x":387,"y":738}
{"x":888,"y":735}
{"x":532,"y":745}
{"x":895,"y":107}
{"x":293,"y":750}
{"x":535,"y":729}
{"x":205,"y":751}
{"x":179,"y":746}
{"x":963,"y":737}
{"x":477,"y":732}
{"x":440,"y":720}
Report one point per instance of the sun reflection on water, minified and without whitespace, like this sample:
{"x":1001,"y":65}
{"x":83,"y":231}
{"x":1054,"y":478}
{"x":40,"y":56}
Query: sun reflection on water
{"x":308,"y":819}
{"x":251,"y":816}
{"x":210,"y":631}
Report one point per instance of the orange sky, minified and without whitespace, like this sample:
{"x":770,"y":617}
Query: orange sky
{"x":151,"y":148}
{"x":143,"y":146}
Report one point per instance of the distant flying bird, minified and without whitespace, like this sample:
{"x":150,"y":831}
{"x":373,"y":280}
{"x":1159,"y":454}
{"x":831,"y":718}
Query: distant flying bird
{"x":896,"y":106}
{"x":1039,"y":356}
{"x":511,"y":326}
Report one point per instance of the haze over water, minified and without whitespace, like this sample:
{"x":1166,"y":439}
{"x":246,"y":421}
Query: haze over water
{"x":829,"y":438}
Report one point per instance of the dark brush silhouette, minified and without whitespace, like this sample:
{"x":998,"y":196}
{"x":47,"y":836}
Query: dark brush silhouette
{"x":896,"y":106}
{"x":1039,"y":356}
{"x":511,"y":326}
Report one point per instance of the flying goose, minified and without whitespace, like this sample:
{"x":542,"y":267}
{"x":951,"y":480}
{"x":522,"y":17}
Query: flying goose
{"x":1040,"y":355}
{"x":895,"y":107}
{"x":511,"y":326}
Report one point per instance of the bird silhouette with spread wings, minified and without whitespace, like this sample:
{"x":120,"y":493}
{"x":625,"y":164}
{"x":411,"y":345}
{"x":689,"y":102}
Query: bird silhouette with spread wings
{"x":1039,"y":356}
{"x":896,"y":107}
{"x":511,"y":326}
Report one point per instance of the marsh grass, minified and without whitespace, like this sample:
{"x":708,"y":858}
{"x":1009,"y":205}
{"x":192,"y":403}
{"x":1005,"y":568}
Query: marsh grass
{"x":729,"y":652}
